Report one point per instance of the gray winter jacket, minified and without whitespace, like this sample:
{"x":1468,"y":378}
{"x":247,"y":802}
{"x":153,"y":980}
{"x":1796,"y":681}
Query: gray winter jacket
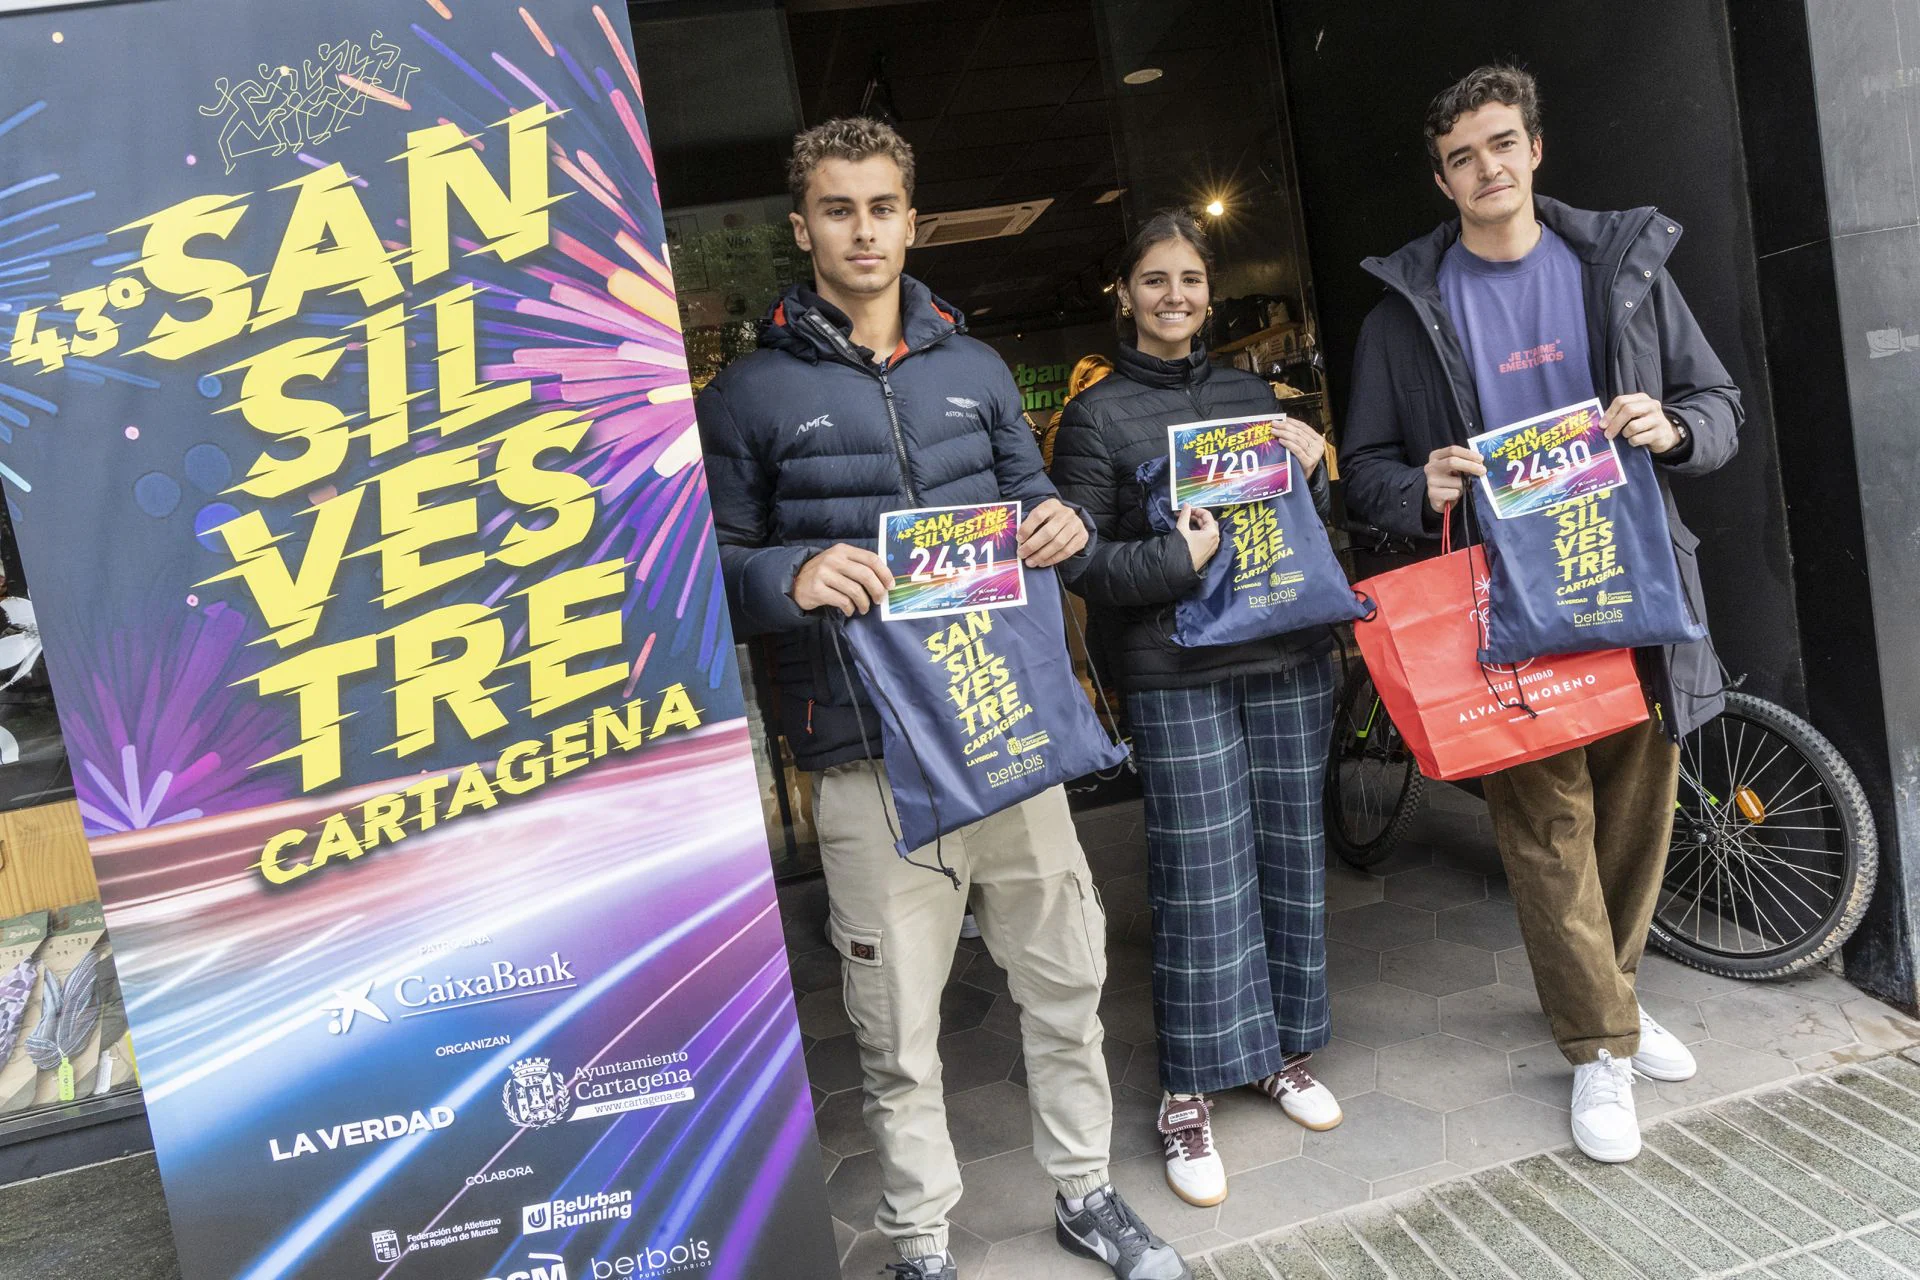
{"x":1413,"y":392}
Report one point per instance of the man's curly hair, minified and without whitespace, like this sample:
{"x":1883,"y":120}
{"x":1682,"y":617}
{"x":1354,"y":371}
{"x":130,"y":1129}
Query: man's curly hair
{"x":1498,"y":82}
{"x":848,"y":138}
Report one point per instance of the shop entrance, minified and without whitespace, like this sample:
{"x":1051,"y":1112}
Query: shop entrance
{"x":1043,"y":132}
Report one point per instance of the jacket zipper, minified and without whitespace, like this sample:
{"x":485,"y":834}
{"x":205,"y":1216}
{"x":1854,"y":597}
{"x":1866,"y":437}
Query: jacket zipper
{"x":852,"y":357}
{"x":899,"y":440}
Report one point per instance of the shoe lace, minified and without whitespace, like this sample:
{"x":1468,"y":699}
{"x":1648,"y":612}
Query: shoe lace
{"x":1116,"y":1218}
{"x":1292,"y":1078}
{"x":1610,"y":1084}
{"x":910,"y":1270}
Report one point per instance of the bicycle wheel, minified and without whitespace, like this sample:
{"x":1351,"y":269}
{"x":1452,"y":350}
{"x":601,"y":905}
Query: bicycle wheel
{"x":1774,"y":853}
{"x":1373,"y":787}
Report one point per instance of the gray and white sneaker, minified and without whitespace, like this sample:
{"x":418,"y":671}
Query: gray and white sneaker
{"x":934,"y":1266}
{"x":1107,"y":1230}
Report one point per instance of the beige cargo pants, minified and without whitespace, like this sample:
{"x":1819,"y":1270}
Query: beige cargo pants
{"x":896,"y":927}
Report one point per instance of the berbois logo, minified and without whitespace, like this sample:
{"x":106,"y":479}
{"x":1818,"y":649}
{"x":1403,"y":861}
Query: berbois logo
{"x":534,"y":1096}
{"x":575,"y":1211}
{"x":651,"y":1263}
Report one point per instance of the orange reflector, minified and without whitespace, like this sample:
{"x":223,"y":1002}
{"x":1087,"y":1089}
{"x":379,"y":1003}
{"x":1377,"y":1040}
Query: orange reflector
{"x":1750,"y":805}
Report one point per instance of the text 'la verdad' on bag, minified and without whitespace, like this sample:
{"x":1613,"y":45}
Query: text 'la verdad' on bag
{"x":979,"y":711}
{"x":1460,"y":717}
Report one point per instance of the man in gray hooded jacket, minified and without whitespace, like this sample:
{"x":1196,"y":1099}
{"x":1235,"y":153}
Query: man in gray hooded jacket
{"x":1521,"y":306}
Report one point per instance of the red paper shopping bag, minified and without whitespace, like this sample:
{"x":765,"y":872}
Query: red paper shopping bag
{"x":1460,"y":719}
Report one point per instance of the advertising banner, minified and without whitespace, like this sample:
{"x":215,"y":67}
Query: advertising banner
{"x":346,"y":426}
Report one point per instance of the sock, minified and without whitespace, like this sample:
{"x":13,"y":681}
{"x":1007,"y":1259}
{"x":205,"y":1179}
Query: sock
{"x":1076,"y":1203}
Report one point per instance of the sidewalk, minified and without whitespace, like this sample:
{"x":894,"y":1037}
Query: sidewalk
{"x":1441,"y":1057}
{"x":1819,"y":1178}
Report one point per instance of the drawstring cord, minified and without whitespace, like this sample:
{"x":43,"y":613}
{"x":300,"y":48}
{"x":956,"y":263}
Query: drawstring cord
{"x":1487,"y":671}
{"x":1099,"y":689}
{"x":834,"y":626}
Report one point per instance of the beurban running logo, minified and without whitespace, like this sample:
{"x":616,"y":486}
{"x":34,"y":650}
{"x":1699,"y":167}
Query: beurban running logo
{"x":575,"y":1211}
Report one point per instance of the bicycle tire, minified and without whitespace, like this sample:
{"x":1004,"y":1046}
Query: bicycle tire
{"x":1362,"y":854}
{"x":1859,"y":855}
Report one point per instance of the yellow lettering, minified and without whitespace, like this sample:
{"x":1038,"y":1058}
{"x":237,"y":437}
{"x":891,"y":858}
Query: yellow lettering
{"x":270,"y":864}
{"x":676,"y":711}
{"x":425,"y":678}
{"x":319,"y":427}
{"x":327,"y":209}
{"x":313,"y":677}
{"x":518,"y":781}
{"x":442,"y":168}
{"x":290,"y":603}
{"x":472,"y":789}
{"x":411,"y":524}
{"x":554,"y":637}
{"x":569,"y":497}
{"x":225,"y":288}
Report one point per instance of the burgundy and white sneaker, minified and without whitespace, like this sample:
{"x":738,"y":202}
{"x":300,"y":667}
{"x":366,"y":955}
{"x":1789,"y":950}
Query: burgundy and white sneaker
{"x":1194,"y":1170}
{"x":1305,"y":1100}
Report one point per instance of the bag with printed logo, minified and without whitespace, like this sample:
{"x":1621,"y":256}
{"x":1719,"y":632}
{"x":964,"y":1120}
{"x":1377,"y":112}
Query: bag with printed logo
{"x":1594,"y":572}
{"x":1461,"y":717}
{"x":979,"y":711}
{"x":1275,"y":571}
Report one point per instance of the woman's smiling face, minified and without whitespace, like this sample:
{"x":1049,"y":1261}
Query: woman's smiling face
{"x":1169,"y":294}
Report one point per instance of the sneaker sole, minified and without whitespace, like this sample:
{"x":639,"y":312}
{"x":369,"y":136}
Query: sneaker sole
{"x":1621,"y":1156}
{"x":1196,"y":1201}
{"x":1667,"y":1077}
{"x":1316,"y":1128}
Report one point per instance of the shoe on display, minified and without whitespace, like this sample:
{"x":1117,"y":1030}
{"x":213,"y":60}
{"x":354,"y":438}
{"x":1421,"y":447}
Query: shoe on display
{"x":934,"y":1266}
{"x":1605,"y":1125}
{"x":1662,"y":1056}
{"x":1106,"y":1229}
{"x":1306,"y":1101}
{"x":969,"y":927}
{"x":1194,"y":1168}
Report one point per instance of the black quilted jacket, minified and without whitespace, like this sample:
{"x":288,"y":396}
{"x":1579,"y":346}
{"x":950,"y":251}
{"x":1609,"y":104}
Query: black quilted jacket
{"x":808,"y":441}
{"x":1133,"y":576}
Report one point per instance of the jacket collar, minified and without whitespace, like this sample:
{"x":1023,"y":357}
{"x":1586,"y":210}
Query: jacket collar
{"x":794,"y":324}
{"x":1600,"y":239}
{"x":1140,"y":367}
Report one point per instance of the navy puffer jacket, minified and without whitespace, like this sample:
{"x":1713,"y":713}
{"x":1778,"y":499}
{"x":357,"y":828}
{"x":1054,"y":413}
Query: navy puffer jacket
{"x":1135,"y":577}
{"x":809,"y":439}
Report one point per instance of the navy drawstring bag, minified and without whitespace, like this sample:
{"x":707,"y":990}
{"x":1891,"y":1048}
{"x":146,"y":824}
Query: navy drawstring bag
{"x":1594,"y":572}
{"x":1275,"y":571}
{"x":978,"y":711}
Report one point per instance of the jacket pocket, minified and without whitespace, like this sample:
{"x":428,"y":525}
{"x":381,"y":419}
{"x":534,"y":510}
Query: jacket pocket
{"x":865,"y":986}
{"x":1093,"y":919}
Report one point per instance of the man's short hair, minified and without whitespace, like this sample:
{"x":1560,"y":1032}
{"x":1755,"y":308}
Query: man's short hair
{"x":852,"y":138}
{"x":1498,"y":82}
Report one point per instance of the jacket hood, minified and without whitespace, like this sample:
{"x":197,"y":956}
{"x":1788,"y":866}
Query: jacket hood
{"x":925,"y":321}
{"x":1140,"y":367}
{"x":1599,"y":238}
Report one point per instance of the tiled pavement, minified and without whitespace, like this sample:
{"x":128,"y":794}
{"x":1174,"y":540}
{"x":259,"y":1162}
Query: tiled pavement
{"x":1817,"y":1177}
{"x":1441,"y":1057}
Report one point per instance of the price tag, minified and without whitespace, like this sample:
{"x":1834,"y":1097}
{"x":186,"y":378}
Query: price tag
{"x":1548,"y":460}
{"x":1227,"y":461}
{"x":952,"y":560}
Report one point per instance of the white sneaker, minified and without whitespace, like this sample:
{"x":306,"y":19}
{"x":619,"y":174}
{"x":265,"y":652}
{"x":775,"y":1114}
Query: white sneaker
{"x":1194,"y":1169}
{"x":1662,"y":1056}
{"x":969,"y":927}
{"x":1306,"y":1101}
{"x":1605,"y":1125}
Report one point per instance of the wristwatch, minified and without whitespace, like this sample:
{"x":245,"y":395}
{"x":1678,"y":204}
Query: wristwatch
{"x":1679,"y":425}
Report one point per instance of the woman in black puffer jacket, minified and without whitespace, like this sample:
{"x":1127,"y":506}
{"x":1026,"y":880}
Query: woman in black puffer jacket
{"x":1231,"y":740}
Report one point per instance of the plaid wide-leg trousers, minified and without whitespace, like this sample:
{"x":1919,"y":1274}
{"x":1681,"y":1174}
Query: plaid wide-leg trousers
{"x":1236,"y":871}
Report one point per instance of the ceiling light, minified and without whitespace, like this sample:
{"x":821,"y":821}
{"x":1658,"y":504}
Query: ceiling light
{"x":1145,"y":75}
{"x":1108,"y":197}
{"x":1215,"y":208}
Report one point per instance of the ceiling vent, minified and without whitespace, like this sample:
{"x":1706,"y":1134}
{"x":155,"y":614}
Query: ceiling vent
{"x":962,"y":225}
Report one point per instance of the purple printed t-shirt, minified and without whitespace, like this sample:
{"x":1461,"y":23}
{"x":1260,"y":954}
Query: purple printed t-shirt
{"x":1524,"y":327}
